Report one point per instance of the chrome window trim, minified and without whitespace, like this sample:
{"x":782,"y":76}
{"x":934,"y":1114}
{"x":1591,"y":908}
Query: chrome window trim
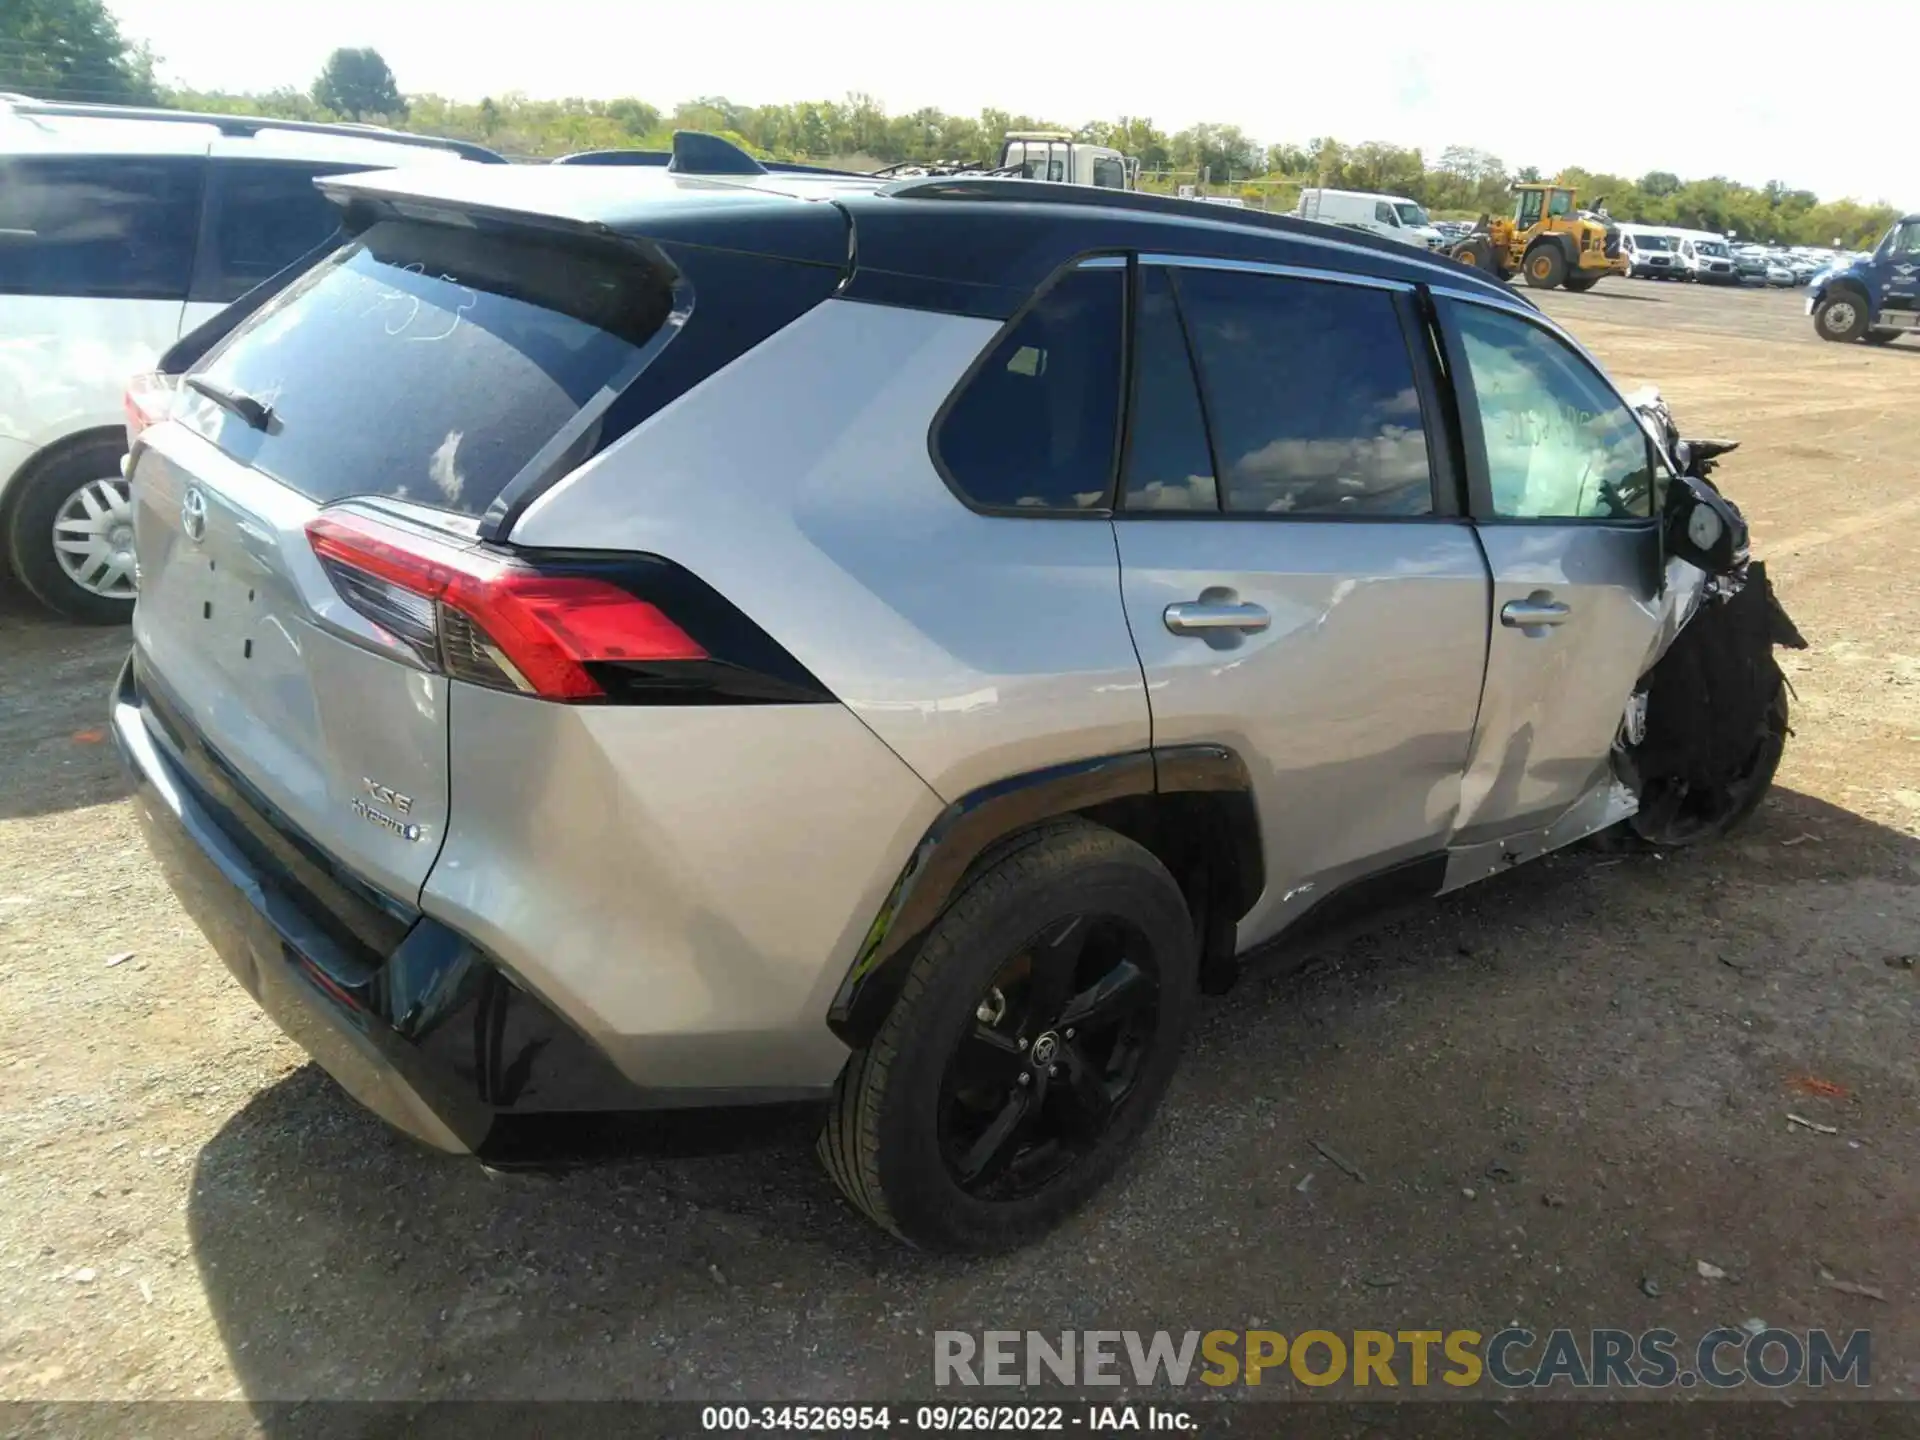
{"x":1267,"y":267}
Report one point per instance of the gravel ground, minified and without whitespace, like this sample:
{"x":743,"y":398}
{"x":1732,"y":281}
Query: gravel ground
{"x":1564,"y":1088}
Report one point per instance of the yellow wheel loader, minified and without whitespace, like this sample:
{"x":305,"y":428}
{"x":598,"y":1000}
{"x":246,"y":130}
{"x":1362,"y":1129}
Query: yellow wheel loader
{"x":1549,"y":240}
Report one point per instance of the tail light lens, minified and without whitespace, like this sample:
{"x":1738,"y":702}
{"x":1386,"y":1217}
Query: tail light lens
{"x":148,"y":401}
{"x":491,"y":619}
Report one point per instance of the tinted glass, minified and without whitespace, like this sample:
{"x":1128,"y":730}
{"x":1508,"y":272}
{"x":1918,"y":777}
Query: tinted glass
{"x":103,"y":226}
{"x":1560,"y":444}
{"x":1034,"y":428}
{"x":1168,"y":467}
{"x":428,"y":363}
{"x":1310,"y":392}
{"x":264,"y":217}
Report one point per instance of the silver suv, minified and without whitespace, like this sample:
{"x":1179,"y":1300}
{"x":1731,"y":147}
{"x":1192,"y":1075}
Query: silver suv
{"x":615,"y":639}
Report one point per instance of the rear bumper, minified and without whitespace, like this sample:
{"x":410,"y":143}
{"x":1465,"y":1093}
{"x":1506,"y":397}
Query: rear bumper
{"x":433,"y":1037}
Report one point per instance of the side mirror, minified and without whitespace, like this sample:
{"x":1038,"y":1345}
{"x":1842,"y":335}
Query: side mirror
{"x":1703,"y":527}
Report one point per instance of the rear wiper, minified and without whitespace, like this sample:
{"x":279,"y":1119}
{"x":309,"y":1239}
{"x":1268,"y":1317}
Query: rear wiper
{"x":256,"y":413}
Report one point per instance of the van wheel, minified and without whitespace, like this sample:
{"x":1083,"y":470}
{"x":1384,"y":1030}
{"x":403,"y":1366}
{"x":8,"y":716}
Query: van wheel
{"x":1545,"y":267}
{"x":70,"y":538}
{"x":1841,"y":318}
{"x":1033,"y":1039}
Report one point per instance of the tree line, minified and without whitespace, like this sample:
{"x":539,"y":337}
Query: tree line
{"x":73,"y":49}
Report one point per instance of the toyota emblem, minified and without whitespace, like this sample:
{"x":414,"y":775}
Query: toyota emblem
{"x":193,"y":514}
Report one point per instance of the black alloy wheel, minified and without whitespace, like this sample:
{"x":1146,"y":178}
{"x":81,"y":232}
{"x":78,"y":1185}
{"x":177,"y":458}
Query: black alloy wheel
{"x":1055,"y":1052}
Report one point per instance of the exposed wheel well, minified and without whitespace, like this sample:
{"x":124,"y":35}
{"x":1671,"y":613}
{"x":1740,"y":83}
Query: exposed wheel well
{"x":1190,"y":806}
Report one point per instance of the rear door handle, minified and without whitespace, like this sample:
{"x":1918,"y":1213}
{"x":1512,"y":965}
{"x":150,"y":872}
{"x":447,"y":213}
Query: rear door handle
{"x":1196,"y":617}
{"x":1525,"y":614}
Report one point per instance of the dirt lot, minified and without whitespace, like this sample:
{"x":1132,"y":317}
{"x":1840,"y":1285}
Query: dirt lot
{"x":1564,"y":1089}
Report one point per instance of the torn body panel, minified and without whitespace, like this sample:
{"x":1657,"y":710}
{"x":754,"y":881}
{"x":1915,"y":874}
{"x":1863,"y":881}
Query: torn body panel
{"x":1704,"y":730}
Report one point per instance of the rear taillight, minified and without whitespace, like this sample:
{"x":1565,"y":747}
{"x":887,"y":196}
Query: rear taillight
{"x":492,"y":619}
{"x":149,"y":400}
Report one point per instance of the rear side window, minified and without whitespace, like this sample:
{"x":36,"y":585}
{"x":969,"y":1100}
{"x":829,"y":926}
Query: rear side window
{"x":261,"y":217}
{"x":1033,"y":427}
{"x":429,"y":363}
{"x":99,"y":226}
{"x":1310,"y":394}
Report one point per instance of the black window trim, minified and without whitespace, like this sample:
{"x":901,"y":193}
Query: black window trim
{"x":1442,"y":441}
{"x":1104,"y":259}
{"x":1480,"y":506}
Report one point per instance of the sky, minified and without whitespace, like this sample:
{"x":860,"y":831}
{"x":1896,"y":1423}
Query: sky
{"x":1698,"y":87}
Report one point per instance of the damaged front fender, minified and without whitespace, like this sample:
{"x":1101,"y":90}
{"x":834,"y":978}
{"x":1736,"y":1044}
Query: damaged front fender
{"x":1705,"y":729}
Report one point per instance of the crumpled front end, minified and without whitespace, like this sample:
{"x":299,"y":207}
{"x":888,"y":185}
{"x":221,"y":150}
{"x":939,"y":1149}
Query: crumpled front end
{"x":1705,"y":729}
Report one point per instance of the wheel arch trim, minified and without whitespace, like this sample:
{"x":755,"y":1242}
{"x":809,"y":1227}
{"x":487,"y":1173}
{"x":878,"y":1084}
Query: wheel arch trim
{"x":981,"y":821}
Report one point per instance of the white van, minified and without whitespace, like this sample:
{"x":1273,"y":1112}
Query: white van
{"x":1707,"y":257}
{"x":1651,"y":254}
{"x":1394,"y":216}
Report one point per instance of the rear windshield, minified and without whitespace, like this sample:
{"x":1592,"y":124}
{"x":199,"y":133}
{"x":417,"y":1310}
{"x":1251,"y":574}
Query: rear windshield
{"x":429,"y":363}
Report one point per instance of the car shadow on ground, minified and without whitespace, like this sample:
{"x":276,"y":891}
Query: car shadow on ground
{"x":1589,"y":1033}
{"x":55,"y":677}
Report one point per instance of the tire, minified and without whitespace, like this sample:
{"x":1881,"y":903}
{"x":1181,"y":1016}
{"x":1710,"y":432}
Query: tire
{"x":1660,"y":828}
{"x":1580,"y":284}
{"x":1883,"y":337}
{"x":907,"y":1122}
{"x":1475,"y":253}
{"x":69,"y":488}
{"x":1545,"y":267}
{"x":1841,"y":318}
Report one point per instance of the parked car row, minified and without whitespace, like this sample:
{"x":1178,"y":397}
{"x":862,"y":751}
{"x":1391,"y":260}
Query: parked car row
{"x":1666,"y":253}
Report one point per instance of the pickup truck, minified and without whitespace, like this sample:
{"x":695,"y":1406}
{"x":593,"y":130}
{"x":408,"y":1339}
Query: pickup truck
{"x":1876,"y":298}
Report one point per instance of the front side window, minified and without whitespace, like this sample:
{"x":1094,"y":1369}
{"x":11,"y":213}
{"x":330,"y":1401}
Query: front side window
{"x":1562,"y":203}
{"x":1033,"y":427}
{"x":1559,"y":443}
{"x":1906,"y":239}
{"x":1310,"y":394}
{"x":101,"y":226}
{"x":1109,"y":173}
{"x":1383,"y":212}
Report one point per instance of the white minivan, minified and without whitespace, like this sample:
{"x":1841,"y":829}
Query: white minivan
{"x":1651,"y":254}
{"x":1394,"y":216}
{"x":120,"y":231}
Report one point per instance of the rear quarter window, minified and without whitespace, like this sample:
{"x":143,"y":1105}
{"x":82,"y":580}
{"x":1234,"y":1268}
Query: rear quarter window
{"x":1034,"y":425}
{"x":431,"y":363}
{"x":99,"y":226}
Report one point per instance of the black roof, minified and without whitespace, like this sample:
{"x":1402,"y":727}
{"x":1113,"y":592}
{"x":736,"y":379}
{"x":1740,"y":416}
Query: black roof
{"x":976,"y":245}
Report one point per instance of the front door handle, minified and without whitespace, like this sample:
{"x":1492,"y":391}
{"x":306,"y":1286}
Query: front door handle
{"x":1525,"y":614}
{"x":1196,"y":617}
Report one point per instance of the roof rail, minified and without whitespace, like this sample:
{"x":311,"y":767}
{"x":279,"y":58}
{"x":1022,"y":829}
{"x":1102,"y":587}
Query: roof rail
{"x":247,"y":125}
